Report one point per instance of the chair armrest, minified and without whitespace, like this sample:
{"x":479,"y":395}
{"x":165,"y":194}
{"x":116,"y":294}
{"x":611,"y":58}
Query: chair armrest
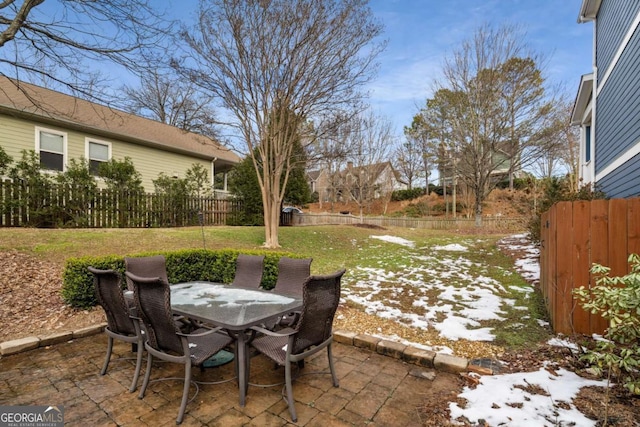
{"x":281,"y":333}
{"x":202,"y":334}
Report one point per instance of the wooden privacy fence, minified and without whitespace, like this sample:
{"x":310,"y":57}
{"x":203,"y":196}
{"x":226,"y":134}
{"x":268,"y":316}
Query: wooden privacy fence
{"x":490,"y":223}
{"x":66,"y":206}
{"x":574,"y":236}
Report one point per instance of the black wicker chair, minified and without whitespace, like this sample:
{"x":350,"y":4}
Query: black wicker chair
{"x":248,"y":271}
{"x":148,"y":266}
{"x":152,"y":297}
{"x":312,"y":333}
{"x":108,"y":286}
{"x":152,"y":266}
{"x":292,"y":274}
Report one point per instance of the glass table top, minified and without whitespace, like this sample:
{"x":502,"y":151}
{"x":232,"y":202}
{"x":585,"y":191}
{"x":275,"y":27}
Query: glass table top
{"x":230,"y":307}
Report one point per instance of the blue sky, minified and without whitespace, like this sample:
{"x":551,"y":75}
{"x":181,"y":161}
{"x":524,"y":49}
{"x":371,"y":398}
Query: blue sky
{"x":422,"y":32}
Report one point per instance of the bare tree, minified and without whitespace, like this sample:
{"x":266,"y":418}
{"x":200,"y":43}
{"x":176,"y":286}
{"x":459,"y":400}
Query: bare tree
{"x":328,"y":153}
{"x":368,"y":175}
{"x":173,"y":101}
{"x":276,"y":65}
{"x":560,"y":144}
{"x":408,"y":156}
{"x":60,"y":43}
{"x":434,"y":123}
{"x":497,"y":108}
{"x":423,"y":134}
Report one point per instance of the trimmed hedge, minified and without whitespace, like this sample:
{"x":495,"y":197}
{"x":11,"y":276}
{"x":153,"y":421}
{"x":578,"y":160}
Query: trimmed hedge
{"x":182,"y":266}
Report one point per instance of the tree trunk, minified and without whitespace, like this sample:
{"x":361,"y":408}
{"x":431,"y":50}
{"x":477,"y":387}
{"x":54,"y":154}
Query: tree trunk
{"x":271,"y":224}
{"x":271,"y":204}
{"x":478,"y":210}
{"x":454,"y":192}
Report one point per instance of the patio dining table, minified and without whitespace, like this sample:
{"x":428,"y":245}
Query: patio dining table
{"x":234,"y":309}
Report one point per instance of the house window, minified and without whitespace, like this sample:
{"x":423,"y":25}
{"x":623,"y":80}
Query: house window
{"x":587,"y":144}
{"x":51,"y":146}
{"x":97,"y":153}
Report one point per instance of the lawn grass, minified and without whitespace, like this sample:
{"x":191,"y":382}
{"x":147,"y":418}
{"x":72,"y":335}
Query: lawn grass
{"x":332,"y":247}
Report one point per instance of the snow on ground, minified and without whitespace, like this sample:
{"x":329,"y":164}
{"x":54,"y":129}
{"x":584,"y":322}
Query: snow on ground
{"x":393,"y":239}
{"x":541,"y":398}
{"x":527,"y":265}
{"x":454,"y":247}
{"x":451,"y":294}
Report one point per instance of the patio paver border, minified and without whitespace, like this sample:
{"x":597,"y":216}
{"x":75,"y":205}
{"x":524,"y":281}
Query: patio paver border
{"x":406,"y":353}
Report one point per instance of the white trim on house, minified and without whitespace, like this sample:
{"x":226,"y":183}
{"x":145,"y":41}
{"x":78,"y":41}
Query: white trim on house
{"x":65,"y":155}
{"x":621,"y":48}
{"x":619,"y":161}
{"x":589,"y":10}
{"x":583,"y":99}
{"x":87,"y":154}
{"x":88,"y":140}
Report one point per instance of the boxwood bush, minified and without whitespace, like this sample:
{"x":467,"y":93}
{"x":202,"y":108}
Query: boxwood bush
{"x":182,"y":266}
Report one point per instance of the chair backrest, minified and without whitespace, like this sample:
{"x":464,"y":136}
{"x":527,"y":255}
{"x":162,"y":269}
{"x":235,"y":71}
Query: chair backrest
{"x":292,"y":273}
{"x":148,"y":266}
{"x":248,"y":271}
{"x":152,"y":296}
{"x":321,"y":295}
{"x":108,"y":287}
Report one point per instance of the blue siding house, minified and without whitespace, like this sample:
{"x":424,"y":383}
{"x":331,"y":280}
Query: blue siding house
{"x":607,"y":106}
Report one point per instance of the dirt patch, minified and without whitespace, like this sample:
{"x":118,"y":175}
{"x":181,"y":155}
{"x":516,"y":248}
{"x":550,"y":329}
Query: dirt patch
{"x":506,"y":203}
{"x":30,"y":299}
{"x":370,"y":226}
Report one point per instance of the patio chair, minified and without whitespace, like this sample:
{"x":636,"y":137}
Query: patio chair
{"x":292,"y":274}
{"x":152,"y":296}
{"x":312,"y":333}
{"x":148,"y":266}
{"x":108,"y":286}
{"x":248,"y":271}
{"x":152,"y":266}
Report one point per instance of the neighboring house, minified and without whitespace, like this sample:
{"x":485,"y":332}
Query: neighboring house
{"x":377,"y":180}
{"x":60,"y":127}
{"x":607,"y":106}
{"x":317,"y":179}
{"x":498,"y":171}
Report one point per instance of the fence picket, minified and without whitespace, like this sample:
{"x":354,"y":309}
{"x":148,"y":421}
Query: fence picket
{"x":581,"y":214}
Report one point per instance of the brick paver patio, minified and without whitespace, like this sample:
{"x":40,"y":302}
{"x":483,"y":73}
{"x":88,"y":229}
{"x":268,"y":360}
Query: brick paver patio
{"x":375,"y":390}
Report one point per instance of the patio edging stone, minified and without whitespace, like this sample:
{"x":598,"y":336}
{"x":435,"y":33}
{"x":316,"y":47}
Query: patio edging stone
{"x":30,"y":343}
{"x":406,"y":353}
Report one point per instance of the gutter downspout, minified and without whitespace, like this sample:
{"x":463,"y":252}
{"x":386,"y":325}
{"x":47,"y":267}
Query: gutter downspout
{"x":594,"y":96}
